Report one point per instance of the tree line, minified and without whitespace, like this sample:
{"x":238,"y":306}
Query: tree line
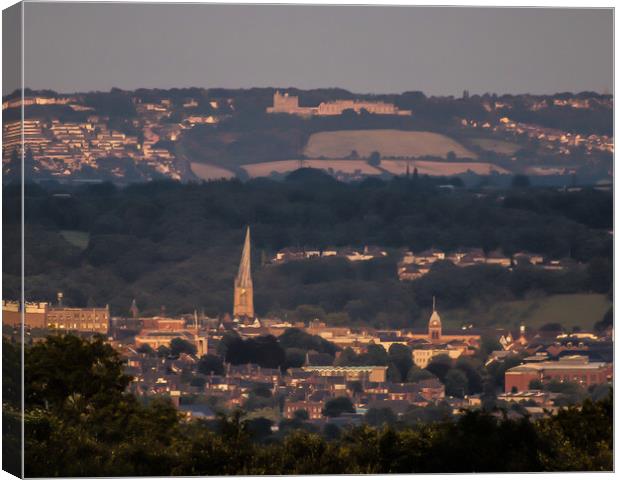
{"x":79,"y":421}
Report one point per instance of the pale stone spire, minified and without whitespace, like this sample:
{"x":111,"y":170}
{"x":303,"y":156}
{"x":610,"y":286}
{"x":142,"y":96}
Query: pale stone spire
{"x":244,"y":276}
{"x":243,"y":305}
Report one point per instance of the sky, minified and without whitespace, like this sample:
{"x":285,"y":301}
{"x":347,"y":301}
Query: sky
{"x":440,"y":51}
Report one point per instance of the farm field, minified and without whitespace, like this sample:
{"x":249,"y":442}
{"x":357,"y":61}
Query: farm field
{"x":427,"y":167}
{"x":498,"y":146}
{"x":389,"y":143}
{"x":206,"y":171}
{"x":284,"y":166}
{"x":582,"y":310}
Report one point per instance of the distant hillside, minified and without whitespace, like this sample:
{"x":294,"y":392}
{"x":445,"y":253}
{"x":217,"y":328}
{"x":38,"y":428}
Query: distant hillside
{"x":187,"y":134}
{"x":389,"y":143}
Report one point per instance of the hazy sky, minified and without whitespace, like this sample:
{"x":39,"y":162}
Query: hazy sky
{"x":83,"y":47}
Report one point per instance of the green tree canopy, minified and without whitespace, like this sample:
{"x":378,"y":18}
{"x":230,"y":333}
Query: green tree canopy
{"x":337,"y":406}
{"x":210,"y":364}
{"x":95,"y":374}
{"x":180,"y":345}
{"x":456,"y":383}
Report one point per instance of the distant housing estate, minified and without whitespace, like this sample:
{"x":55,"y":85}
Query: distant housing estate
{"x":415,"y":265}
{"x":290,"y":254}
{"x":285,"y":103}
{"x":412,"y":266}
{"x":63,"y":148}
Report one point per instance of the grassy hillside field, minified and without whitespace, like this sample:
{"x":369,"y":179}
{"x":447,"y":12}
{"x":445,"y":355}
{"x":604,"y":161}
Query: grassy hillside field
{"x":389,"y":143}
{"x":497,"y":146}
{"x":582,"y":310}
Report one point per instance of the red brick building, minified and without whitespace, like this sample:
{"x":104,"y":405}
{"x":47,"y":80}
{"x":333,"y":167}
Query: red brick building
{"x":575,"y":369}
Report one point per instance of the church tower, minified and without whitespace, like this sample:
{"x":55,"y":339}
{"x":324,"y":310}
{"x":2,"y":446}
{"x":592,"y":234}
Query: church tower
{"x":243,"y":304}
{"x":434,"y":325}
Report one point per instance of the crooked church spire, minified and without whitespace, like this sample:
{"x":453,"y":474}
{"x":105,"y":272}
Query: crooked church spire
{"x":244,"y":275}
{"x":243,"y":306}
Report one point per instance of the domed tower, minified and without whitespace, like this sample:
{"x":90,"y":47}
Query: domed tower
{"x":434,"y":325}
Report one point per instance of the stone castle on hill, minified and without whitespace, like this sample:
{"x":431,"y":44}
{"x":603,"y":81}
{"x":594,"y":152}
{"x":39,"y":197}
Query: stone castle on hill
{"x":243,"y":303}
{"x":285,"y":103}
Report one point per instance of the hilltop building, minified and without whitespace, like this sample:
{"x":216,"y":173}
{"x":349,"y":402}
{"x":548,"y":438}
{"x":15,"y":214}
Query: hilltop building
{"x":243,"y":302}
{"x":285,"y":103}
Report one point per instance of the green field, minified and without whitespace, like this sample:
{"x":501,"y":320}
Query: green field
{"x":582,"y":310}
{"x":389,"y":143}
{"x":76,"y":238}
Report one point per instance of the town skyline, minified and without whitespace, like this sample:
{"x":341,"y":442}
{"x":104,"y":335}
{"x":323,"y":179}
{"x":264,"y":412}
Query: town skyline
{"x":295,"y":239}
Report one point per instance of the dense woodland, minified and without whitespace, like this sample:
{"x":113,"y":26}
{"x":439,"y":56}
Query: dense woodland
{"x":177,"y":245}
{"x":79,"y":421}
